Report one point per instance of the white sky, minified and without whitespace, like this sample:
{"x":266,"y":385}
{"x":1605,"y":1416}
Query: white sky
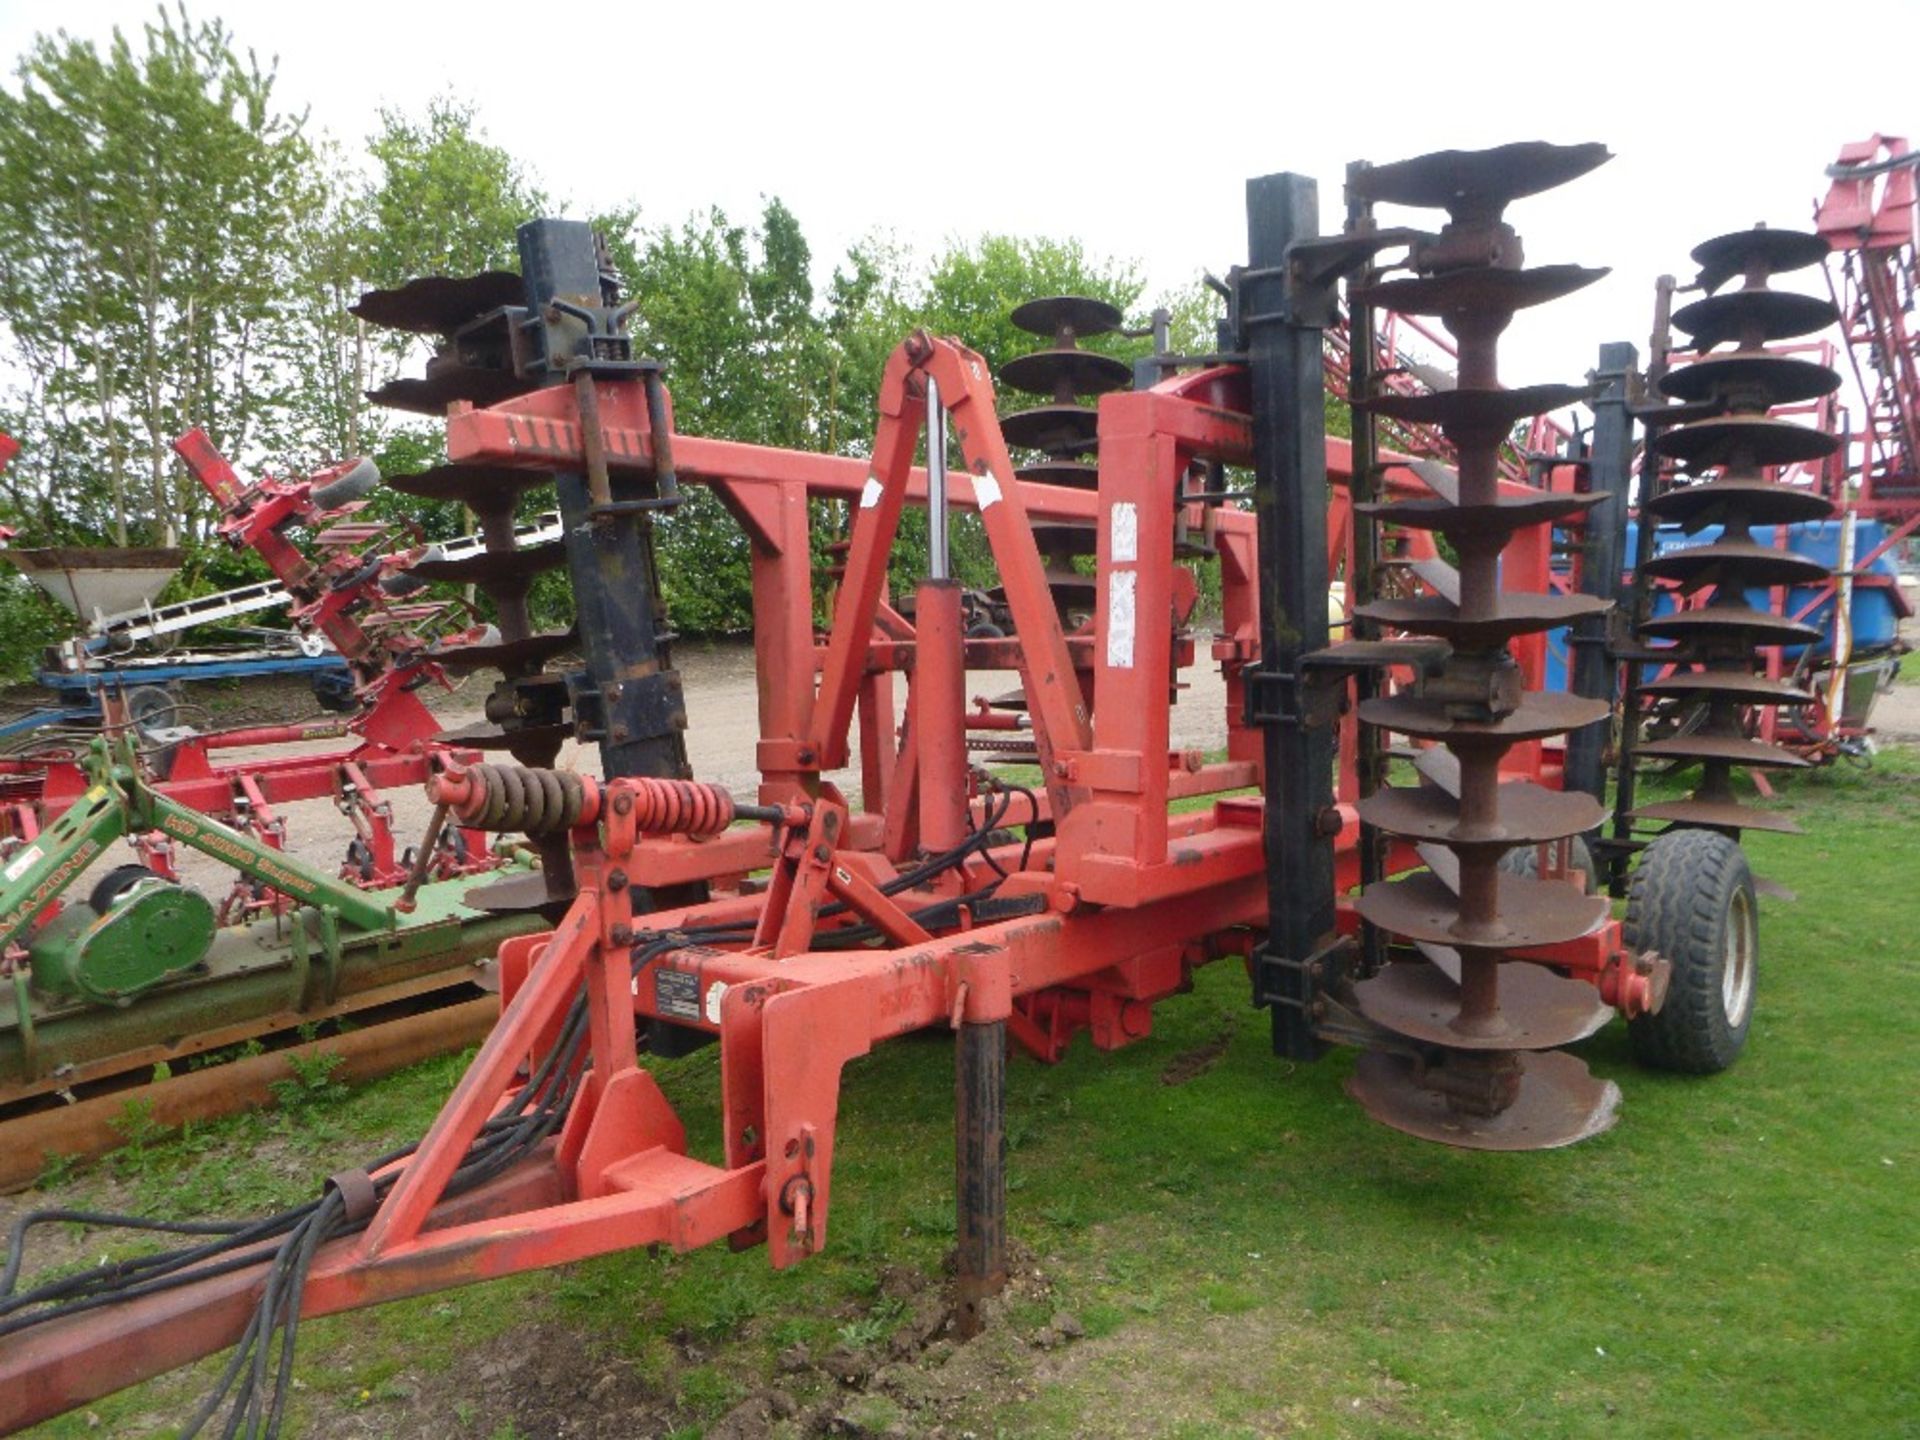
{"x":1130,"y":126}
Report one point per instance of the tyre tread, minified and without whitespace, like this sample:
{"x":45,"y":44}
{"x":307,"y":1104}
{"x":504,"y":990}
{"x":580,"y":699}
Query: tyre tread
{"x":1678,"y":903}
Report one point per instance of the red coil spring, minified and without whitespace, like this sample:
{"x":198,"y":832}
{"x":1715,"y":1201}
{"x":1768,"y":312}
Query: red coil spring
{"x":676,"y":807}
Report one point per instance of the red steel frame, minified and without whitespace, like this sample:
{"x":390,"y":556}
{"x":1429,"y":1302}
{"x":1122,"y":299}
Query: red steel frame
{"x":1123,"y":900}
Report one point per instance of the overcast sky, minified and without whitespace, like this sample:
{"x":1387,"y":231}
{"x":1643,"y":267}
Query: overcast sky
{"x":1130,"y":126}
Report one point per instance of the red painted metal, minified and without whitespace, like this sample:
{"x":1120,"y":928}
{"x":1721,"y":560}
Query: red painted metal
{"x":1102,"y":919}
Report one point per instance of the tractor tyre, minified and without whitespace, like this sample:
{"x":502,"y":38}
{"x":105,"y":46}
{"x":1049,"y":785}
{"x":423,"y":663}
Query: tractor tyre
{"x":1691,"y":902}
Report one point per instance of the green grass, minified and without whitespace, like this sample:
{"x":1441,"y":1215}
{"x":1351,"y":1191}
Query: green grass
{"x":1250,"y":1256}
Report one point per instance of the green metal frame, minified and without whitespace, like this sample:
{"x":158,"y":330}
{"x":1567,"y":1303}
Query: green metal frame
{"x":119,"y":802}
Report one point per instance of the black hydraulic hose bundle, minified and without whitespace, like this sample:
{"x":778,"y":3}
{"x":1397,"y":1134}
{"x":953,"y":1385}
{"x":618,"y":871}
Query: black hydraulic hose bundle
{"x":255,"y":1382}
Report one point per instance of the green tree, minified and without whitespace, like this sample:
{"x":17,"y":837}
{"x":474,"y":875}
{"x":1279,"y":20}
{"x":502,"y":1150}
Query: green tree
{"x":730,"y":310}
{"x":143,"y":192}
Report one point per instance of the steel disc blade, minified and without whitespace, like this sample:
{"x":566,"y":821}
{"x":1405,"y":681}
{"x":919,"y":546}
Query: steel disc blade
{"x":1061,"y":429}
{"x":1072,"y":474}
{"x":1079,"y":372}
{"x":1780,"y":251}
{"x":520,"y":895}
{"x":434,"y":394}
{"x":440,"y":304}
{"x":1478,"y":291}
{"x":1559,"y":1103}
{"x":1422,"y":906}
{"x":1476,"y":409}
{"x":1733,"y":749}
{"x":485,"y":735}
{"x":1511,"y":615}
{"x":1458,"y":180}
{"x":533,"y":651}
{"x":1529,"y":814}
{"x":1717,"y":815}
{"x":1068,"y":587}
{"x":1729,"y":624}
{"x":471,"y":485}
{"x":1752,"y":502}
{"x":495,"y":565}
{"x":1064,"y":537}
{"x":1443,"y":480}
{"x":1540,"y":1010}
{"x":1750,"y":317}
{"x":1742,"y":562}
{"x":1059,"y":316}
{"x":1744,"y":439}
{"x":1014,"y":699}
{"x":1769,"y":378}
{"x":1541,"y":714}
{"x":1505,"y":515}
{"x":1439,"y":766}
{"x":1735,"y":685}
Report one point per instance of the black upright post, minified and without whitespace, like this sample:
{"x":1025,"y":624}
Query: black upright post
{"x":628,"y":697}
{"x":630,"y":700}
{"x":1609,"y":473}
{"x":980,"y":1171}
{"x":1281,"y":324}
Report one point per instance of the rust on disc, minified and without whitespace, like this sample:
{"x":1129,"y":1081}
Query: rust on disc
{"x":485,"y":735}
{"x":1422,"y":906}
{"x":1717,"y":815}
{"x":1733,"y":749}
{"x":1443,"y":480}
{"x":1513,"y":613}
{"x":1559,"y":1103}
{"x":1733,"y":623}
{"x":1540,"y":1009}
{"x":1735,"y":685}
{"x":1080,"y":372}
{"x":505,"y":654}
{"x":1752,"y":502}
{"x":1457,"y":180}
{"x":1541,"y":713}
{"x":1744,"y":561}
{"x":1476,"y":409}
{"x":440,"y":304}
{"x":1060,"y":428}
{"x":1780,"y":379}
{"x":495,"y":565}
{"x":1529,"y":814}
{"x":1745,"y":316}
{"x":1478,"y":291}
{"x":1744,"y":439}
{"x":1506,"y":514}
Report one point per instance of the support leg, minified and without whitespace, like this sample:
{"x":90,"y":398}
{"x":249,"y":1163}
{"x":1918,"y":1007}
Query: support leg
{"x":980,"y":1196}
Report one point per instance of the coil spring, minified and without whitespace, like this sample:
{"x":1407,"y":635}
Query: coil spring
{"x":516,"y":797}
{"x":678,"y":807}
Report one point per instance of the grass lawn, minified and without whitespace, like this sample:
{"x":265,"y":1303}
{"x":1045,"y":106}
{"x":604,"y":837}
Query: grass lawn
{"x":1245,"y":1253}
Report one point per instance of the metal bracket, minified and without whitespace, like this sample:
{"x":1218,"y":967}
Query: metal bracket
{"x":648,"y":708}
{"x":1280,"y":980}
{"x":1308,"y":699}
{"x":1315,"y":266}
